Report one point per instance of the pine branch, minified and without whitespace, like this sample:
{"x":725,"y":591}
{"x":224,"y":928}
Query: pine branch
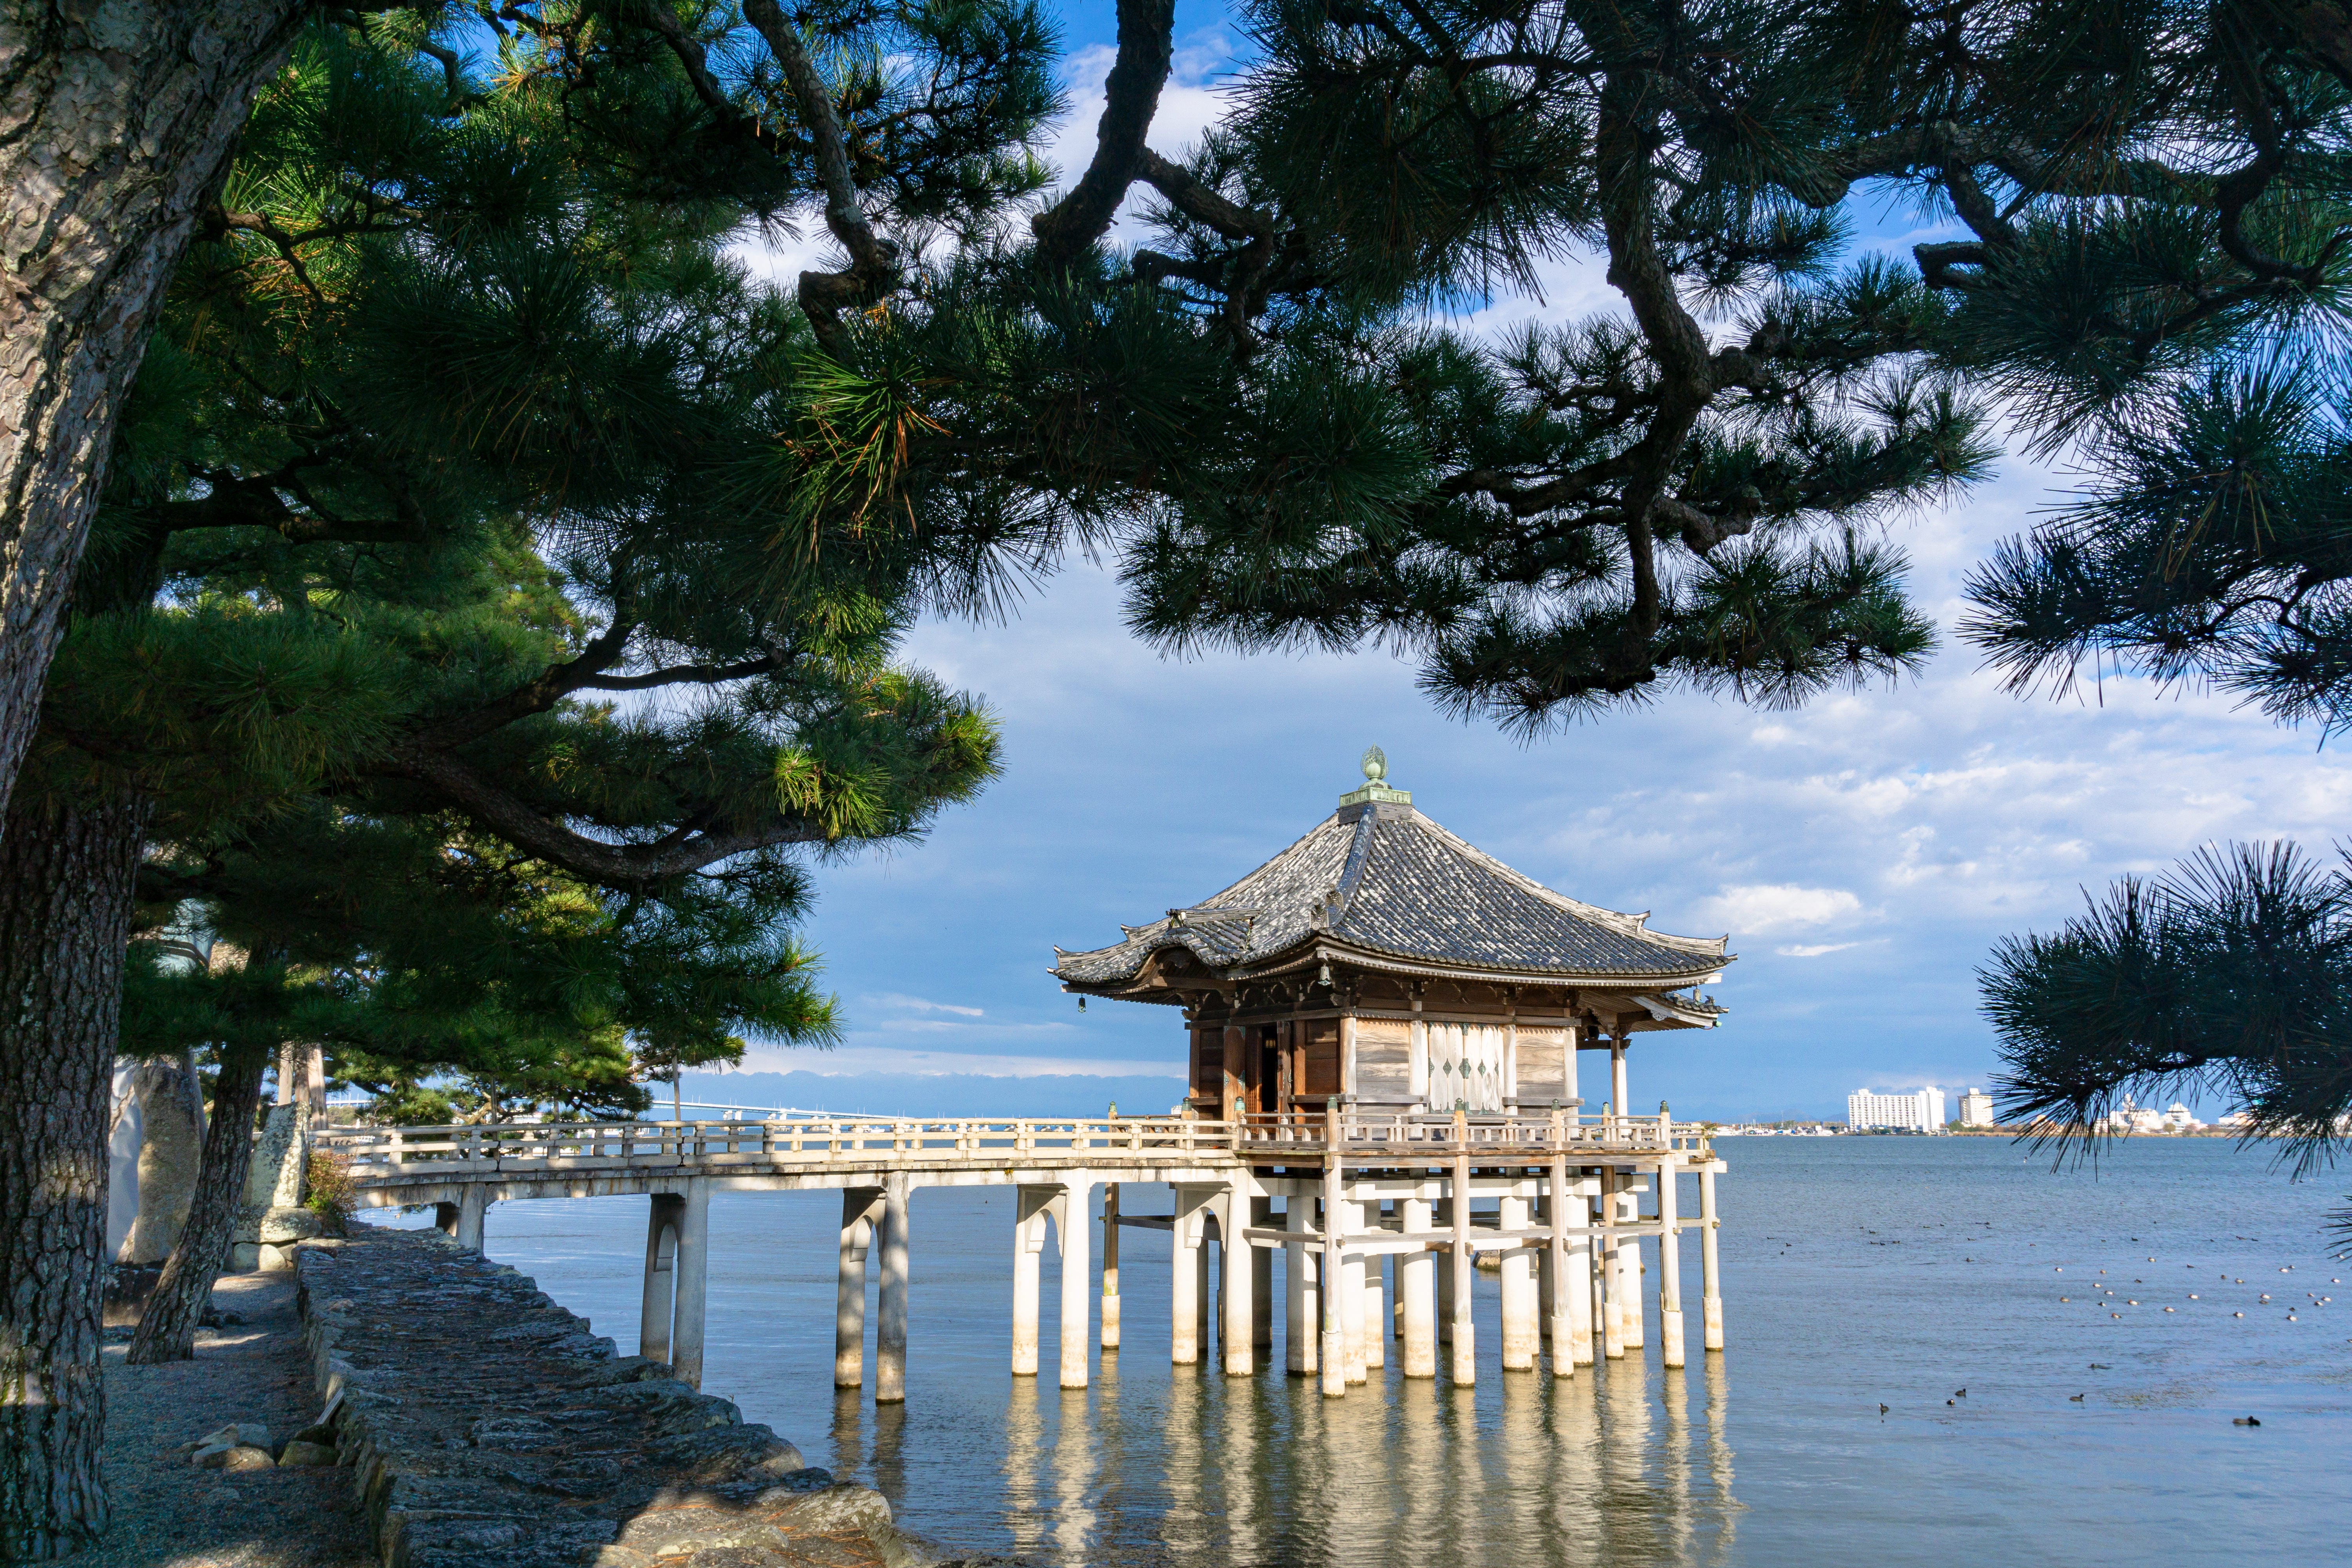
{"x":1130,"y":98}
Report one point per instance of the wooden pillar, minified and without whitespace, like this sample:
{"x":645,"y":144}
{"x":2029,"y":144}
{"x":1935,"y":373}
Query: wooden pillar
{"x":1629,"y":1259}
{"x":1547,"y":1276}
{"x":1710,"y":1276}
{"x":1261,"y":1261}
{"x":661,"y":1277}
{"x":1185,"y":1282}
{"x":1076,"y":1225}
{"x":1522,"y":1339}
{"x":1376,"y":1312}
{"x":1239,"y":1277}
{"x":1029,"y":1214}
{"x":690,"y":1272}
{"x":860,"y":1208}
{"x":1334,"y":1350}
{"x":1417,"y":1285}
{"x":1353,"y":1328}
{"x":1233,"y":1084}
{"x":1670,"y":1263}
{"x":1110,"y":1267}
{"x":1465,"y":1272}
{"x":891,"y":1332}
{"x":1299,"y":1314}
{"x":1560,"y":1280}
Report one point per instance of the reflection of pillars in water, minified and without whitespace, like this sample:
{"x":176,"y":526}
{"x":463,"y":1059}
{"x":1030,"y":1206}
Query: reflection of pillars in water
{"x":1075,"y":1446}
{"x":1430,"y":1523}
{"x":889,"y":1464}
{"x":1191,"y":1529}
{"x":1578,"y":1489}
{"x":1719,"y":1455}
{"x":1674,"y":1462}
{"x":848,"y":1433}
{"x":1519,"y":1501}
{"x":1625,"y":1432}
{"x":1024,"y":1442}
{"x":1237,"y":1463}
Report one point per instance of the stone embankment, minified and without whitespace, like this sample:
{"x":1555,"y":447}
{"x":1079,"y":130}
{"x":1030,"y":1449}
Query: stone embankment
{"x":489,"y":1428}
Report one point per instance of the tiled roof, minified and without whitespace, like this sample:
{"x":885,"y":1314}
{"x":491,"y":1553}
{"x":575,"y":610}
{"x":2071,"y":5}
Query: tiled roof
{"x":1382,"y":880}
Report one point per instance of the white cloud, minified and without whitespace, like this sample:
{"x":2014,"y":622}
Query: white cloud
{"x":896,"y":1002}
{"x":1815,"y":950}
{"x":1761,"y":909}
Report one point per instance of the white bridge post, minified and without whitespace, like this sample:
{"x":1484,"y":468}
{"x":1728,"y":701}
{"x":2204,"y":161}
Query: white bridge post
{"x":1110,"y":1267}
{"x":660,"y":1299}
{"x":1299,"y":1314}
{"x":1522,"y":1338}
{"x":1075,"y":1225}
{"x":1710,"y":1280}
{"x":890,"y":1334}
{"x":1184,"y":1258}
{"x":1031,"y":1206}
{"x":1670,"y":1262}
{"x":861,"y":1211}
{"x":1417,"y":1285}
{"x":1239,"y":1277}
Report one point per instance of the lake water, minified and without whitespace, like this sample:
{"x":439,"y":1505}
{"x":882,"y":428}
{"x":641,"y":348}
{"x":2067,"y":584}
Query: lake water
{"x":1856,"y":1271}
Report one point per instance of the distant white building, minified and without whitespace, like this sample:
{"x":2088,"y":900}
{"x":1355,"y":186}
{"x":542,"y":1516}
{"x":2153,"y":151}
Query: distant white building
{"x":1976,"y":1107}
{"x":1923,"y":1109}
{"x":2130,"y":1117}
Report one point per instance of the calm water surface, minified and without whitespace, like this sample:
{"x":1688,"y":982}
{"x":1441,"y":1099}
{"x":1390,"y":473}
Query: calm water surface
{"x":1857,"y":1271}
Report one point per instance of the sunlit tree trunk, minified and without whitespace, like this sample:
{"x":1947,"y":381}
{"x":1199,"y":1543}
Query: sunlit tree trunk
{"x":115,"y":119}
{"x":65,"y":915}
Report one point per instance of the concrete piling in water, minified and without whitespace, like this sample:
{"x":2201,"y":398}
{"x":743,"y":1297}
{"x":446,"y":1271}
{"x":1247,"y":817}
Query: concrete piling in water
{"x":861,"y":1210}
{"x":891,"y":1332}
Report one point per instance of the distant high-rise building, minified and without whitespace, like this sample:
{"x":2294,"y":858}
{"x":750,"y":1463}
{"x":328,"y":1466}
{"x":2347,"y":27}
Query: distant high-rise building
{"x":1976,"y":1107}
{"x":1923,"y":1109}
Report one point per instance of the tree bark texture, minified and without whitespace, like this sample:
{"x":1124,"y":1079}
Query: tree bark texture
{"x":116,"y":116}
{"x":66,"y":876}
{"x":167,"y":1328}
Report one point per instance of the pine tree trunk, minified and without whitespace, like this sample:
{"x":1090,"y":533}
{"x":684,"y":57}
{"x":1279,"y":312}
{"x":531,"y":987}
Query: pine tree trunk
{"x":66,"y":878}
{"x":167,"y":1327}
{"x":114,"y":121}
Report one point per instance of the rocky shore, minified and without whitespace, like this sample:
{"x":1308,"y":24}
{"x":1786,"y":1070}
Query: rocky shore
{"x":488,"y":1428}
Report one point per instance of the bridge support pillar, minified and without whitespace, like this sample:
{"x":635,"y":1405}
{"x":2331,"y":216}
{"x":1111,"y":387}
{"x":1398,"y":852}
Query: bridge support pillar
{"x":1670,"y":1269}
{"x":1333,"y":1357}
{"x":1417,"y":1290}
{"x":1576,"y":1283}
{"x":660,"y":1300}
{"x":861,"y":1211}
{"x":1710,"y":1273}
{"x":1522,"y":1338}
{"x":461,"y":1222}
{"x":1184,"y":1260}
{"x":1032,"y":1207}
{"x":1612,"y":1270}
{"x":1240,"y":1276}
{"x":1110,"y":1267}
{"x":1353,"y":1328}
{"x":1445,"y":1276}
{"x":1076,"y":1227}
{"x":1629,"y":1262}
{"x":1300,"y":1319}
{"x":1465,"y":1272}
{"x":890,"y":1334}
{"x":692,"y":1275}
{"x":1261,"y":1258}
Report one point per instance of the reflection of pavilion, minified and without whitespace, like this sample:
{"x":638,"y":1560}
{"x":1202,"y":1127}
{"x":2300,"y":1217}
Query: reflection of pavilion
{"x":1390,"y":1021}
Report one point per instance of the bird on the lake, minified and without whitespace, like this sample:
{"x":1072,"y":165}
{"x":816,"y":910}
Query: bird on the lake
{"x":2101,"y":1366}
{"x":1882,"y":1410}
{"x":2246,"y":1421}
{"x":2075,"y":1397}
{"x":1951,"y":1402}
{"x":1959,"y":1393}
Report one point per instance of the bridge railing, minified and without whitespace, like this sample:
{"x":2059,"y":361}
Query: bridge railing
{"x":380,"y":1151}
{"x":1421,"y":1136}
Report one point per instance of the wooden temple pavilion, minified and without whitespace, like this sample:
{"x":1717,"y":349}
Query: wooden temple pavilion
{"x":1384,"y":963}
{"x":1387,"y":1023}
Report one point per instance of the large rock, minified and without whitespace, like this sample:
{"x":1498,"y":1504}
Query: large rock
{"x":274,"y":1180}
{"x":285,"y":1226}
{"x":171,"y":1150}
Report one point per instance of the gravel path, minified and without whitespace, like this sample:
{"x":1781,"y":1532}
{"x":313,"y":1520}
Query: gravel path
{"x":169,"y":1514}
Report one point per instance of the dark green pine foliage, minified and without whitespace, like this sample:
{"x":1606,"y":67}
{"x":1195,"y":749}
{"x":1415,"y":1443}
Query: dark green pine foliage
{"x":2230,"y":976}
{"x":2155,"y":278}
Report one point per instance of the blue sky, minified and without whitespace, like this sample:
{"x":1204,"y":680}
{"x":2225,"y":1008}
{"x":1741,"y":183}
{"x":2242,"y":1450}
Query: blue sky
{"x":1863,"y":854}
